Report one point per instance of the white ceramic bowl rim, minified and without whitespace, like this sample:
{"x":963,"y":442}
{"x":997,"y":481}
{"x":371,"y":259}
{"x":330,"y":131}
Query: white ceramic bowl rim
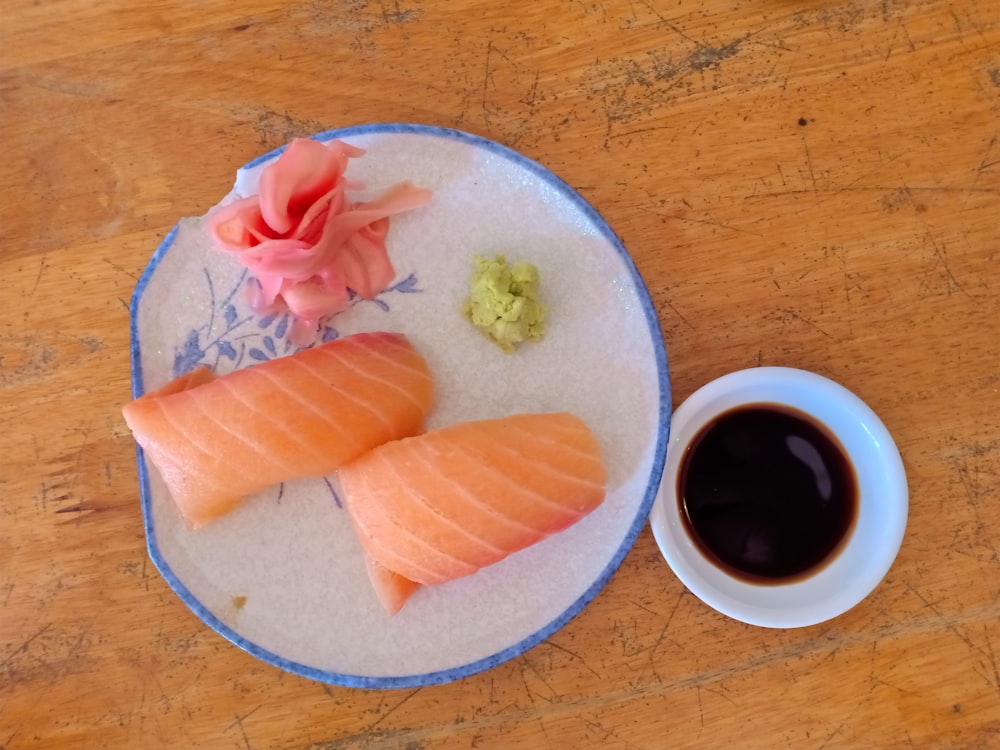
{"x":869,"y":551}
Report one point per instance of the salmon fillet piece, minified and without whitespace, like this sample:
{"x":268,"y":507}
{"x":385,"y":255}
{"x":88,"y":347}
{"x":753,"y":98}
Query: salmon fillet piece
{"x":216,"y":440}
{"x":449,"y":502}
{"x":392,"y":589}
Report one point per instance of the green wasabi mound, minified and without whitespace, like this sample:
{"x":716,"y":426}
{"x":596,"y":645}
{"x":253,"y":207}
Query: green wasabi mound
{"x":503,"y":302}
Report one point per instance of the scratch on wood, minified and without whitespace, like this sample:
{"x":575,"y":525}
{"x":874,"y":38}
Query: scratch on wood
{"x":636,"y":131}
{"x":666,"y":625}
{"x":545,"y":733}
{"x":668,"y":24}
{"x":678,"y":314}
{"x":939,"y":189}
{"x":38,"y":277}
{"x":531,"y":98}
{"x":953,"y":629}
{"x":24,"y":646}
{"x":243,"y":731}
{"x":641,"y":606}
{"x":900,"y":27}
{"x":579,"y":658}
{"x":530,"y":665}
{"x":909,"y":40}
{"x":808,"y":322}
{"x":713,"y":223}
{"x":985,"y":163}
{"x":992,"y":658}
{"x":809,"y":162}
{"x":832,"y":735}
{"x":239,"y":722}
{"x":392,"y":710}
{"x":941,"y":254}
{"x":120,"y":268}
{"x":972,"y":495}
{"x":488,"y":73}
{"x":958,"y":24}
{"x":871,"y":664}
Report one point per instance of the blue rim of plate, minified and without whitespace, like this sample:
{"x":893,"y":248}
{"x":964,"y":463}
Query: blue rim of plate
{"x":524,"y":645}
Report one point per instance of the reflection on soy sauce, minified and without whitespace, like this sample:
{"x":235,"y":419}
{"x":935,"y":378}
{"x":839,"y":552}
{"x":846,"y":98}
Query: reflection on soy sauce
{"x":767,"y":493}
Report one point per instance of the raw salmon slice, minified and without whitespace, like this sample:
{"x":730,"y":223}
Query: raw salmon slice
{"x":446,"y":503}
{"x":216,"y":440}
{"x":392,"y":589}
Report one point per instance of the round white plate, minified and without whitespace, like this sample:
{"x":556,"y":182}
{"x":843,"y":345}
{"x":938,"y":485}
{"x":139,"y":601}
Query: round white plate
{"x":283,"y":576}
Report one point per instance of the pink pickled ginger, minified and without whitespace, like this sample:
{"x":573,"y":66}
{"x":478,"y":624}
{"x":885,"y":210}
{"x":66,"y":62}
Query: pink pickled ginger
{"x":307,"y":244}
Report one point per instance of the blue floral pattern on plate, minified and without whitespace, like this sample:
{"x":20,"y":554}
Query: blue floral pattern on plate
{"x":206,"y":345}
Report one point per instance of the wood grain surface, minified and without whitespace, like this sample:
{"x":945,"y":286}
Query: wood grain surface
{"x":812,"y":183}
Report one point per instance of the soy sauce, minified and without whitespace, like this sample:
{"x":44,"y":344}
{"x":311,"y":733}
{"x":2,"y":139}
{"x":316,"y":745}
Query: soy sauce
{"x":767,"y":493}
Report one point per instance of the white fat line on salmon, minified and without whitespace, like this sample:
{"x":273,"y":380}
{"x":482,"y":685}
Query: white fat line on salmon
{"x":180,"y":428}
{"x":269,"y":414}
{"x":350,"y":395}
{"x":329,"y":419}
{"x":567,"y":511}
{"x":493,"y":509}
{"x":409,"y":369}
{"x":416,"y":494}
{"x":581,"y":456}
{"x":228,"y":429}
{"x":391,"y":384}
{"x":369,"y":530}
{"x":162,"y":459}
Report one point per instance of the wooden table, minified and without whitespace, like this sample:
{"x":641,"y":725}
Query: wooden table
{"x":812,"y":183}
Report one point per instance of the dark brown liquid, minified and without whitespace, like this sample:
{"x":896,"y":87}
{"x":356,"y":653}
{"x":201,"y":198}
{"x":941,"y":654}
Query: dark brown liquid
{"x":767,"y":493}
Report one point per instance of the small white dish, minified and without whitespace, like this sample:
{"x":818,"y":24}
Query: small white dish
{"x":866,"y":554}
